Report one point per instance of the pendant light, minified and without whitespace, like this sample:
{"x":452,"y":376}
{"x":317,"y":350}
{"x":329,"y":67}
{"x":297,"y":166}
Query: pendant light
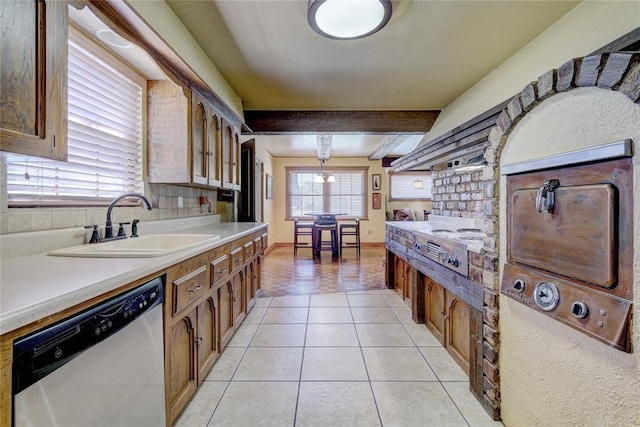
{"x":348,"y":19}
{"x":323,"y":177}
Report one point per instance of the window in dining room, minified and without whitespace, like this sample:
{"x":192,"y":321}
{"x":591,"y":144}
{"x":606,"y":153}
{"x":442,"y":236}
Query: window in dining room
{"x":307,"y":193}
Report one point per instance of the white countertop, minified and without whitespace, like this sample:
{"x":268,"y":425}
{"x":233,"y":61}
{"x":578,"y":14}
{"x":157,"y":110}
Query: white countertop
{"x":427,"y":227}
{"x":33,"y":287}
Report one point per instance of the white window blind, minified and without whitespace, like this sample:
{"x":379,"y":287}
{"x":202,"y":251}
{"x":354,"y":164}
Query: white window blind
{"x":347,"y":195}
{"x":105,"y":113}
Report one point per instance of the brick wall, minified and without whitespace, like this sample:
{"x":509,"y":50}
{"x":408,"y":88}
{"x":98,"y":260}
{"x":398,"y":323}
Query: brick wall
{"x":458,"y":194}
{"x":471,"y":194}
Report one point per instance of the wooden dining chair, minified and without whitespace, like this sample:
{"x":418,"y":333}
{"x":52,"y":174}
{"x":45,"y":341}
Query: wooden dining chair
{"x":352,"y":230}
{"x":303,"y":228}
{"x":321,"y":243}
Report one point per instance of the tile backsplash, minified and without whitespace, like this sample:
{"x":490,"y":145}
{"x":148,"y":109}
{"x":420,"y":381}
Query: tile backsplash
{"x":169,"y":202}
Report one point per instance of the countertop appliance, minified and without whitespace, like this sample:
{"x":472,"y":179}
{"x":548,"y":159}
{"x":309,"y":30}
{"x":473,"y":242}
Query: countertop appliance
{"x":101,"y":367}
{"x":448,"y":241}
{"x":570,"y":239}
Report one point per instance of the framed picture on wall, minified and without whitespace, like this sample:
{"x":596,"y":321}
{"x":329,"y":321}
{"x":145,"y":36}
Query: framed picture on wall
{"x":376,"y":201}
{"x":375,"y":182}
{"x":269,"y":184}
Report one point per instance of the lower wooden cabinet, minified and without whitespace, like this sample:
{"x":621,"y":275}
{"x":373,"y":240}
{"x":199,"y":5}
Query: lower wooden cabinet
{"x":434,"y":309}
{"x":209,"y":298}
{"x":193,"y":351}
{"x":238,"y":296}
{"x":449,"y":319}
{"x":232,"y":307}
{"x":180,"y":357}
{"x":404,"y":277}
{"x":224,"y":296}
{"x":206,"y":336}
{"x":252,"y":282}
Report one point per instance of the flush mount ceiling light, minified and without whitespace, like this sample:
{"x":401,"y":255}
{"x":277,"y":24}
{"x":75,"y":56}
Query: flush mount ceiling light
{"x":348,"y":19}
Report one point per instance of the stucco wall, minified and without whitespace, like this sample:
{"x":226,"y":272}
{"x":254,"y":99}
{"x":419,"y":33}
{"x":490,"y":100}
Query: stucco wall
{"x":550,"y":373}
{"x":164,"y":22}
{"x":267,"y":204}
{"x":586,"y":28}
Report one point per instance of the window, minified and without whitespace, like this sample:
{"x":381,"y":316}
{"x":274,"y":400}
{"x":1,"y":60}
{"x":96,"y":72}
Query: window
{"x":346,"y":195}
{"x":104,"y":137}
{"x":410,"y":186}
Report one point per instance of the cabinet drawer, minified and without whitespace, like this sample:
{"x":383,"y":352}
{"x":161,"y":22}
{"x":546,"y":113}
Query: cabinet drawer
{"x":188,"y":288}
{"x":219,"y":269}
{"x":265,"y":240}
{"x":257,"y":242}
{"x":248,"y":250}
{"x":236,"y":258}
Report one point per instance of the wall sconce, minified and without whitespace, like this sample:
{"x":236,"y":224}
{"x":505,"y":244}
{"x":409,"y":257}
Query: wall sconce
{"x":418,"y":184}
{"x":348,"y":19}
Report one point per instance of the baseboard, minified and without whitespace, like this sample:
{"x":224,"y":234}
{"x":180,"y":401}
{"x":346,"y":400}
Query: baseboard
{"x":290,"y":244}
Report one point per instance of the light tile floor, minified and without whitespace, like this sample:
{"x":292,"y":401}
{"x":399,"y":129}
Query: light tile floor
{"x":340,"y":359}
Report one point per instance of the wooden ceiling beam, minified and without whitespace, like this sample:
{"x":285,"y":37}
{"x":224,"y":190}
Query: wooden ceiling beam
{"x":280,"y":122}
{"x":389,"y":143}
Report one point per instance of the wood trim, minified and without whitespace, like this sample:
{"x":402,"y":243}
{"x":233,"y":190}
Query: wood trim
{"x":263,"y":122}
{"x":389,"y":143}
{"x":473,"y":132}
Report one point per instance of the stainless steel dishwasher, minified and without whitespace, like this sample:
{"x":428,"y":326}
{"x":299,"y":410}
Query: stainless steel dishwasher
{"x":101,"y":367}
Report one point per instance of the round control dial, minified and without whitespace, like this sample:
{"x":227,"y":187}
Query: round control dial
{"x":546,"y":296}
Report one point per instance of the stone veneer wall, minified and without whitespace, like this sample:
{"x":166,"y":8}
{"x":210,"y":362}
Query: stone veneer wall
{"x":476,"y":194}
{"x":470,"y":194}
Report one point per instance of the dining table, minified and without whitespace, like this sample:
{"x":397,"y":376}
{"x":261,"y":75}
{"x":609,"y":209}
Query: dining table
{"x":324,"y":219}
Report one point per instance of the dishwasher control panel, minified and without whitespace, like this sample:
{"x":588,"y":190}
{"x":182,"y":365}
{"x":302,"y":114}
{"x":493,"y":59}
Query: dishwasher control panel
{"x":40,"y":353}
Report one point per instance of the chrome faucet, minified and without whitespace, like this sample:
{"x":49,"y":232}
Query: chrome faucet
{"x":108,"y":229}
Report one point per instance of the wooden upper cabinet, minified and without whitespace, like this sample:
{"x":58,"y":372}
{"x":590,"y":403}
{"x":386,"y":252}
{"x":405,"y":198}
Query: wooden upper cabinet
{"x":215,"y":150}
{"x":199,"y":141}
{"x":230,"y":156}
{"x":169,"y":113}
{"x":33,"y":77}
{"x":184,"y":137}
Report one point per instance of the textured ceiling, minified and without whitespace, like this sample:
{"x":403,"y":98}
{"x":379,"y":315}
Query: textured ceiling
{"x":429,"y":53}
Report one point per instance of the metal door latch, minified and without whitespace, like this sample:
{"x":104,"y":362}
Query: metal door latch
{"x":545,"y":199}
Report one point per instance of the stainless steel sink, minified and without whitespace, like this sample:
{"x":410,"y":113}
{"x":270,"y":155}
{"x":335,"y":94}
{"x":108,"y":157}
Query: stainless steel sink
{"x":141,"y":247}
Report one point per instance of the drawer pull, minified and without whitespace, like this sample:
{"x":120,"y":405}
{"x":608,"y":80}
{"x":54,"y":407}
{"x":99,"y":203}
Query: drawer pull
{"x":235,"y":299}
{"x":221,"y":270}
{"x":195,"y":288}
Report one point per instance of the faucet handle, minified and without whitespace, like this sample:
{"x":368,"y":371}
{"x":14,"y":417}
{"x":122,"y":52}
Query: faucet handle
{"x":121,"y":232}
{"x":134,"y":228}
{"x":95,"y":235}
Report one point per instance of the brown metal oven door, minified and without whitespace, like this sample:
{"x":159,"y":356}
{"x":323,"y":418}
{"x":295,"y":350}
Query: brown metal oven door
{"x":576,"y":240}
